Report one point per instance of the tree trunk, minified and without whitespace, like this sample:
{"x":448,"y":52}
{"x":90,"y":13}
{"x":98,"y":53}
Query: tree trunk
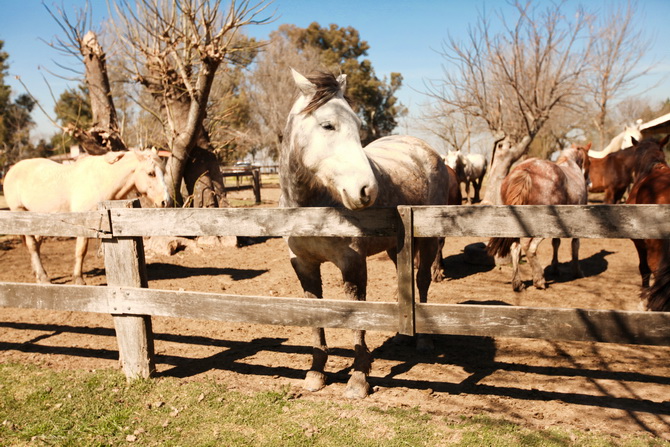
{"x":504,"y":156}
{"x":104,"y":135}
{"x":204,"y":181}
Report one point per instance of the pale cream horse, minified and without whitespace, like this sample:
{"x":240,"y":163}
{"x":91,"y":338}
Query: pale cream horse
{"x":44,"y":186}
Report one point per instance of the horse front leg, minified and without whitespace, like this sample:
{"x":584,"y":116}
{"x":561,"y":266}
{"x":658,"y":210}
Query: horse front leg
{"x":309,"y":275}
{"x":643,"y":266}
{"x":79,"y":254}
{"x":354,"y":276}
{"x":576,"y":270}
{"x":437,"y":269}
{"x":33,"y":245}
{"x":477,"y":184}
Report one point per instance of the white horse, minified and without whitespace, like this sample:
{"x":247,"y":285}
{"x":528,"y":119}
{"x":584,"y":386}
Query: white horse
{"x":622,"y":141}
{"x":44,"y":186}
{"x":322,"y":163}
{"x":470,"y":169}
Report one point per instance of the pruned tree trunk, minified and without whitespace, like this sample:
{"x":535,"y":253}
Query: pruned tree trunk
{"x":504,"y":156}
{"x":204,"y":181}
{"x":104,"y":135}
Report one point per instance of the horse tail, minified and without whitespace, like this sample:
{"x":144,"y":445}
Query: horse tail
{"x":500,"y":246}
{"x":516,"y":187}
{"x":657,"y":297}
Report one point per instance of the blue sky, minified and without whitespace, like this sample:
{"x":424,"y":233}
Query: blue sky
{"x":404,"y":36}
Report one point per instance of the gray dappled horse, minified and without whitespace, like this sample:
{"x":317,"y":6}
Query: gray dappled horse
{"x":322,"y":163}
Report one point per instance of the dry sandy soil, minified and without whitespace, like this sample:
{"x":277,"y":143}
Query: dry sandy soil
{"x":615,"y":389}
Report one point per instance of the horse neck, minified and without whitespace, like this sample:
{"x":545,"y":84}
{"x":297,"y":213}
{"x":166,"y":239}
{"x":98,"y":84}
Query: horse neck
{"x":298,"y":185}
{"x":120,"y":179}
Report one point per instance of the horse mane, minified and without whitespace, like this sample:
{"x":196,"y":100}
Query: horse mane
{"x":327,"y":87}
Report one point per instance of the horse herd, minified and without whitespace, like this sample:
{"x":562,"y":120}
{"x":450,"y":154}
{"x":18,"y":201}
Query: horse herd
{"x":322,"y":163}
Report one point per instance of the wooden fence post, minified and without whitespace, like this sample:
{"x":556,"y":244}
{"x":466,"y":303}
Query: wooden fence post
{"x":256,"y":182}
{"x":125,"y":266}
{"x":406,"y":317}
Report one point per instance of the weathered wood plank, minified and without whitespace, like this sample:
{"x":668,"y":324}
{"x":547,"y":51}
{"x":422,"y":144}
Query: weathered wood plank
{"x":254,"y":222}
{"x":125,"y":265}
{"x":588,"y":221}
{"x":608,"y":326}
{"x":88,"y":224}
{"x":405,"y":267}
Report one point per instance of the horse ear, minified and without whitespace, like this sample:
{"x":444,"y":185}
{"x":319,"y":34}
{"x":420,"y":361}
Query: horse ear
{"x":305,"y":86}
{"x":588,"y":146}
{"x":113,"y":157}
{"x":634,"y":141}
{"x":664,"y":141}
{"x":342,"y":80}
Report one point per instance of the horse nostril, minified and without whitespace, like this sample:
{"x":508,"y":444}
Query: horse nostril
{"x":365,"y":196}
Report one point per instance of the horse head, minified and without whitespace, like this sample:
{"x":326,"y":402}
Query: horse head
{"x":322,"y":145}
{"x":146,"y":174}
{"x":647,"y":154}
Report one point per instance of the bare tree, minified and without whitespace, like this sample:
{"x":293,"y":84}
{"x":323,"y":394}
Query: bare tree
{"x":82,"y":42}
{"x":174,"y":49}
{"x":272,"y":89}
{"x":515,"y":79}
{"x":615,"y":64}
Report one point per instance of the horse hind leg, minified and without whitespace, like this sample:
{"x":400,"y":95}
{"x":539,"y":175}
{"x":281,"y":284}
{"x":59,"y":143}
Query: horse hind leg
{"x":429,"y":250}
{"x":515,"y":253}
{"x":576,"y":269}
{"x":531,"y":254}
{"x":80,"y":253}
{"x":309,"y":275}
{"x":437,"y":268}
{"x":33,"y":245}
{"x":555,"y":245}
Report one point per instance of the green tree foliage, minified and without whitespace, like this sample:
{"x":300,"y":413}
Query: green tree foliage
{"x":341,"y":50}
{"x":15,"y":120}
{"x":73,"y":108}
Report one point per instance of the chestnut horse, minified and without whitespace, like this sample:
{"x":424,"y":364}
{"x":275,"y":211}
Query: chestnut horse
{"x":652,"y":186}
{"x":542,"y":182}
{"x":44,"y":186}
{"x":612,"y":174}
{"x":322,"y":163}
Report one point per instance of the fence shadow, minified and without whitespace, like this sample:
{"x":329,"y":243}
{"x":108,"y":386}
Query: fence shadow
{"x":475,"y":354}
{"x":158,"y":270}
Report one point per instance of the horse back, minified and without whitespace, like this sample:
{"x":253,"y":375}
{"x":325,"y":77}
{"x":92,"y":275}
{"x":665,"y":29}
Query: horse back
{"x":37,"y":184}
{"x":535,"y":182}
{"x":654,"y":188}
{"x":409,"y":172}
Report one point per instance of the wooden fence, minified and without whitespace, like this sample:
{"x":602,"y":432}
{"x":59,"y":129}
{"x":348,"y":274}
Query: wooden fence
{"x":254,"y":175}
{"x":121,"y":228}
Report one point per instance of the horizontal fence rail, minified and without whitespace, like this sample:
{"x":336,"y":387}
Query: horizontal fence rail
{"x":126,"y":298}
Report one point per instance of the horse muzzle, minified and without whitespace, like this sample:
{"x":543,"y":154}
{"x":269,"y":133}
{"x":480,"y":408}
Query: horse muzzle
{"x":365,"y":197}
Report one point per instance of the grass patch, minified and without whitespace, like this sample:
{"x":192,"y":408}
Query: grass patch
{"x":81,"y":408}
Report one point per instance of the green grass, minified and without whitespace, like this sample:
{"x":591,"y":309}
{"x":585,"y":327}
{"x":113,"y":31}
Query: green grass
{"x":80,"y":408}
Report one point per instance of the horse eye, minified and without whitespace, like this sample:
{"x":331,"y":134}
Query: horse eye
{"x":151,"y":174}
{"x":327,"y":126}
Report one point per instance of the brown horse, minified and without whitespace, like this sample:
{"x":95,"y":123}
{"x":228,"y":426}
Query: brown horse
{"x":612,"y":174}
{"x":322,"y":163}
{"x":652,"y":186}
{"x":542,"y":182}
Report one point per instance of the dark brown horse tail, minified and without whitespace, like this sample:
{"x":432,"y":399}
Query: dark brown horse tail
{"x":500,"y":246}
{"x":657,"y":296}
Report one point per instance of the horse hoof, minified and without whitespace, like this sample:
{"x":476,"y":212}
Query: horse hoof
{"x":540,"y":285}
{"x":357,"y":387}
{"x":518,"y":286}
{"x":79,"y":281}
{"x":314,"y":381}
{"x":424,"y":343}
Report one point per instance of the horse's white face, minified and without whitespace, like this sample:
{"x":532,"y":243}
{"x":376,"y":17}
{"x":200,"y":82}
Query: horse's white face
{"x":150,"y":179}
{"x":630,"y":133}
{"x":331,"y":146}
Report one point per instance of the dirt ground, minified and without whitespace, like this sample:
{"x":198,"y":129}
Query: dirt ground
{"x":614,"y":389}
